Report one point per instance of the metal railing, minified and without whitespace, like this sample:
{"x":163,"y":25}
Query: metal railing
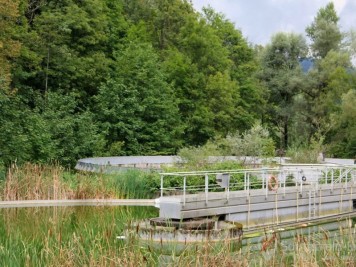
{"x":287,"y":175}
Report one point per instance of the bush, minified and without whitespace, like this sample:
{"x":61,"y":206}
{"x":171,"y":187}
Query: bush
{"x":305,"y":153}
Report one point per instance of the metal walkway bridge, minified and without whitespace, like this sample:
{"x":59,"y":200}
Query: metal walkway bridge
{"x":256,"y":197}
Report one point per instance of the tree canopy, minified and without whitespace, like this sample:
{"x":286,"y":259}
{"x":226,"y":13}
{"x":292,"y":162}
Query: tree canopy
{"x":144,"y":77}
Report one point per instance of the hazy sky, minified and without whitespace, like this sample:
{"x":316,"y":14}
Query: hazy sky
{"x":259,"y":19}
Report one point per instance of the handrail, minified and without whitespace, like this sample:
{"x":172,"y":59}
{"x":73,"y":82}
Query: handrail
{"x":317,"y":174}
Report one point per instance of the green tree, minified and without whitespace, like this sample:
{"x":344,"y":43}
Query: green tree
{"x":136,"y":106}
{"x":9,"y":46}
{"x":70,"y":43}
{"x":281,"y":74}
{"x":54,"y":131}
{"x":14,"y":141}
{"x":211,"y":69}
{"x":163,"y":18}
{"x":324,"y":31}
{"x":343,"y":141}
{"x":191,"y":66}
{"x":329,"y":79}
{"x":243,"y":67}
{"x":73,"y":133}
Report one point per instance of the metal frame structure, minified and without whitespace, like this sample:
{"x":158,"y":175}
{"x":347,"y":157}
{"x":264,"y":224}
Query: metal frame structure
{"x":304,"y":177}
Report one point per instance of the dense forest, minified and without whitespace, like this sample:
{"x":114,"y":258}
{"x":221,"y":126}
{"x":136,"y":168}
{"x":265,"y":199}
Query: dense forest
{"x":148,"y":77}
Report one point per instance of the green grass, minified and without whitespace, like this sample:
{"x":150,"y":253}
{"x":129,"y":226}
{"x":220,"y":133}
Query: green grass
{"x":86,"y":236}
{"x":81,"y":236}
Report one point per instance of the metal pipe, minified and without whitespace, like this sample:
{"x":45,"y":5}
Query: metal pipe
{"x":245,"y":177}
{"x":332,"y":179}
{"x":265,"y":182}
{"x":301,"y":183}
{"x":228,"y":188}
{"x":346,"y":174}
{"x":284,"y":184}
{"x":184,"y":188}
{"x":206,"y":188}
{"x":76,"y":203}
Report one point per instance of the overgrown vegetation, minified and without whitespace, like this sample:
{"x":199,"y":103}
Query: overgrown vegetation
{"x":87,"y":236}
{"x":32,"y":182}
{"x":254,"y":143}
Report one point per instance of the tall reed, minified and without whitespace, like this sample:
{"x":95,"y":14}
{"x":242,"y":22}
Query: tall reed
{"x":87,"y":236}
{"x":34,"y":182}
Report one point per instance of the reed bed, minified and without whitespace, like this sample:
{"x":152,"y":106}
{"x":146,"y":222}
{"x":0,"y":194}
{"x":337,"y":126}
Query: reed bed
{"x":87,"y":236}
{"x":35,"y":182}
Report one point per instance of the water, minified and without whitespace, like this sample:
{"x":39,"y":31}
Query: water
{"x":316,"y":233}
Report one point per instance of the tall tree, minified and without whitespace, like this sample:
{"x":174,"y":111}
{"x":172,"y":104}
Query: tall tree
{"x":163,"y":18}
{"x":70,"y":42}
{"x":242,"y":70}
{"x":9,"y":46}
{"x":330,"y":78}
{"x":211,"y":69}
{"x":282,"y":75}
{"x":324,"y":31}
{"x":343,"y":138}
{"x":136,"y":106}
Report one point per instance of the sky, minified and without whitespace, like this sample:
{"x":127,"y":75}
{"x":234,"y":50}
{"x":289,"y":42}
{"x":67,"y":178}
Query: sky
{"x":260,"y":19}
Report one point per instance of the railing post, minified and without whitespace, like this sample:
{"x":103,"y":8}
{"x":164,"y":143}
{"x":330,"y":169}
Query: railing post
{"x":245,"y":180}
{"x":206,"y":188}
{"x":184,"y":188}
{"x":301,"y":183}
{"x":332,"y":179}
{"x":161,"y":185}
{"x":228,"y":189}
{"x":284,"y":183}
{"x":346,"y":174}
{"x":265,"y":184}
